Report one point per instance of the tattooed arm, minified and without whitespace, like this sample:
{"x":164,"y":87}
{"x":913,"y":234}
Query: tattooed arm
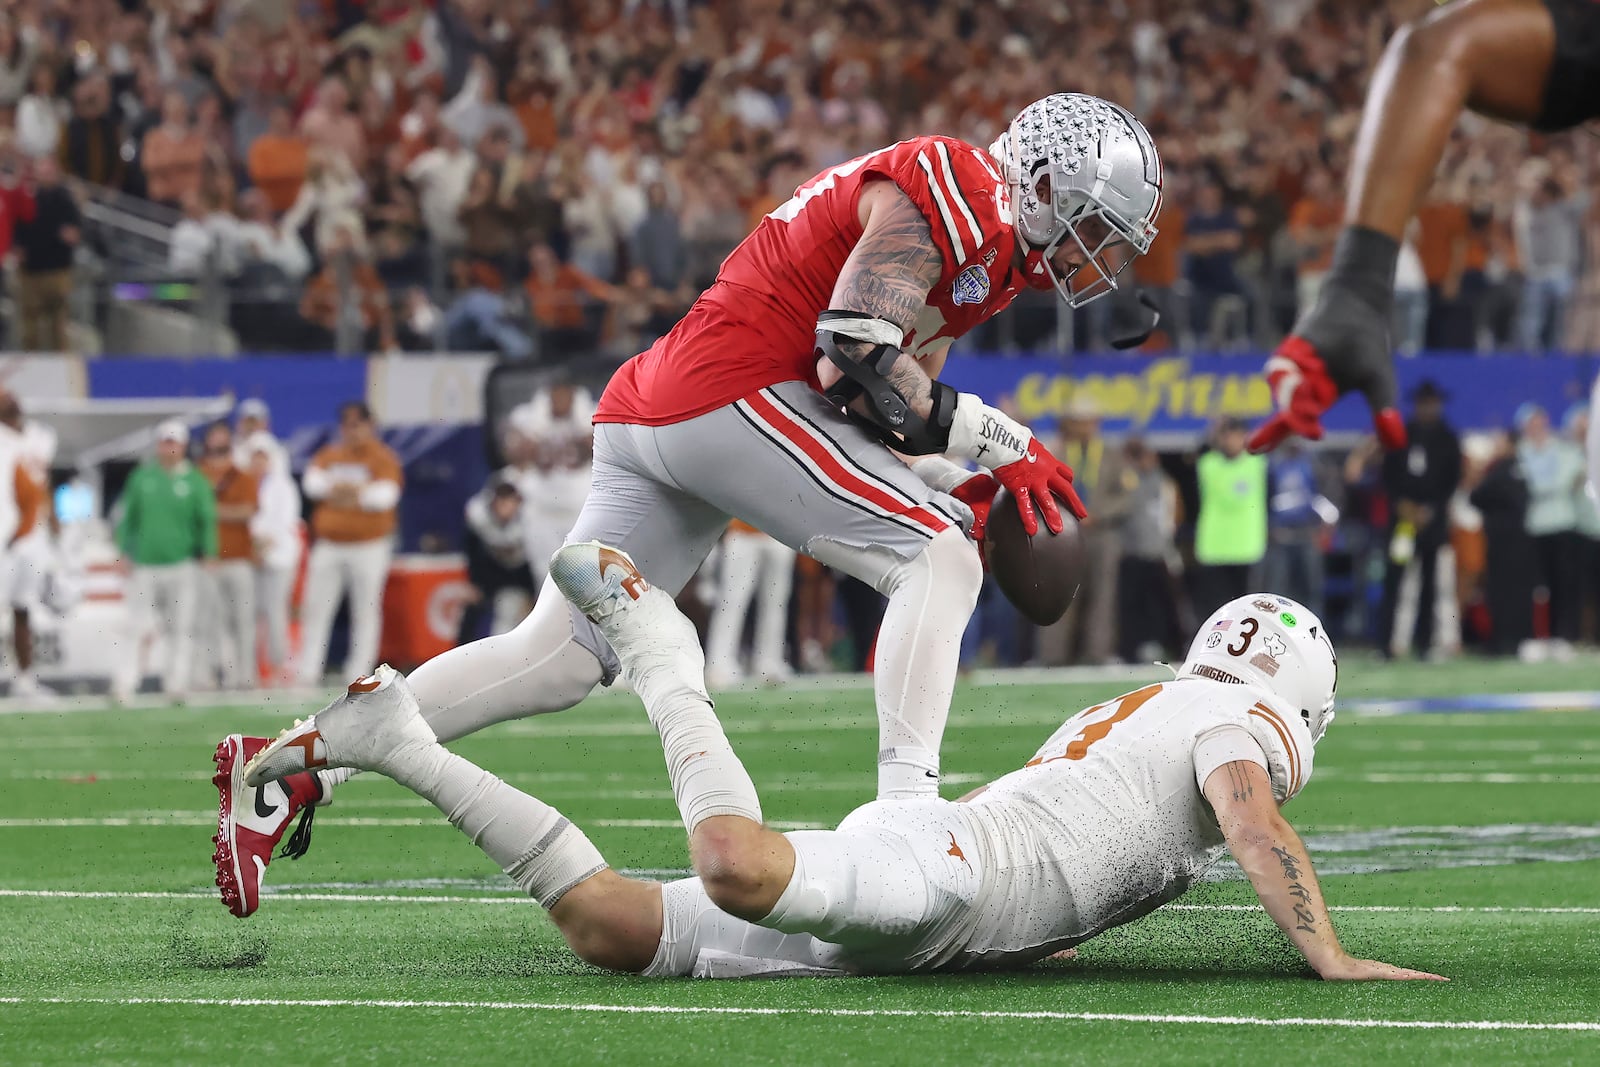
{"x":888,"y":276}
{"x":882,"y":286}
{"x":1275,"y":859}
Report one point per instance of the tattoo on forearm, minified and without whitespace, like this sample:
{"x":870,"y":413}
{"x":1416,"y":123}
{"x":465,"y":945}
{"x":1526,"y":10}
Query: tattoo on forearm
{"x":912,"y":383}
{"x":1239,"y":782}
{"x":892,"y":269}
{"x":1305,"y":919}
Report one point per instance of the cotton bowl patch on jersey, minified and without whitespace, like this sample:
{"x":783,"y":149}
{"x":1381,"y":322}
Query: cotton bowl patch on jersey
{"x":971,"y":286}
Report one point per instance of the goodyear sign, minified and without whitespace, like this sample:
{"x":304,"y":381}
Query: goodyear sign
{"x":1186,"y":394}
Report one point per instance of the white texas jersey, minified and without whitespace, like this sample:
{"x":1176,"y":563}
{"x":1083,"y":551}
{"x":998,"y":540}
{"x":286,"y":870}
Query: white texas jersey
{"x":555,"y":490}
{"x":38,"y":450}
{"x":1107,"y":822}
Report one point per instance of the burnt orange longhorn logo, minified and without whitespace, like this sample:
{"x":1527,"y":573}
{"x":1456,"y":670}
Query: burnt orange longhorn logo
{"x":307,"y":744}
{"x":632,"y":583}
{"x":955,"y":850}
{"x":365,"y":685}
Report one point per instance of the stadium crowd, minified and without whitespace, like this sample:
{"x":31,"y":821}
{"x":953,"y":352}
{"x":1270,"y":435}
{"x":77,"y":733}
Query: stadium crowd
{"x":558,"y":178}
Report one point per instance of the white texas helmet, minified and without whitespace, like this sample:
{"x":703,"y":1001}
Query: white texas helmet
{"x":1270,"y":641}
{"x":1084,"y":170}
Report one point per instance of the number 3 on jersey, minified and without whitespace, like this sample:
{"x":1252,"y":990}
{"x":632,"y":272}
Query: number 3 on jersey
{"x":1098,"y":722}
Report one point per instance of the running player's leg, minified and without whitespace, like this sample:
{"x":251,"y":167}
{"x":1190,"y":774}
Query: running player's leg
{"x":555,"y":656}
{"x":819,"y":484}
{"x":549,"y":662}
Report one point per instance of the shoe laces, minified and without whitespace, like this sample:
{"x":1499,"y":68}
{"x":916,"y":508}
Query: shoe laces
{"x":300,"y":841}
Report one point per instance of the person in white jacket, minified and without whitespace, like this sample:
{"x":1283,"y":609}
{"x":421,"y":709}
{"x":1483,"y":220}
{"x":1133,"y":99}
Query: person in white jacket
{"x":556,"y":424}
{"x":751,"y":561}
{"x":275,"y":529}
{"x":263,"y":240}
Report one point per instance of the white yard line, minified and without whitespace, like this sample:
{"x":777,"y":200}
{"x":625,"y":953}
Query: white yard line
{"x":844,"y":1013}
{"x":343,"y":898}
{"x":198,"y":818}
{"x":509,"y":897}
{"x":1460,"y":778}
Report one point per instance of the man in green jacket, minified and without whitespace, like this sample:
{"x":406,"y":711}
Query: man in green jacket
{"x":169,"y":520}
{"x":1230,"y":533}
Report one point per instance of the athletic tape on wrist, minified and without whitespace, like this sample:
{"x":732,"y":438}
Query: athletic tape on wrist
{"x":986,"y":435}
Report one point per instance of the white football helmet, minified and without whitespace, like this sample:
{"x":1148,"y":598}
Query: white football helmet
{"x":1083,"y":169}
{"x":1267,"y":640}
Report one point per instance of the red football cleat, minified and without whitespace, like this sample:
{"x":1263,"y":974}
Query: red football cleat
{"x":250,"y":822}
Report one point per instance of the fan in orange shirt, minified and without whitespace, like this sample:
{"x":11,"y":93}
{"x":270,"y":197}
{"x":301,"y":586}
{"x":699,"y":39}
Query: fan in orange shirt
{"x":356,"y":484}
{"x":278,"y":160}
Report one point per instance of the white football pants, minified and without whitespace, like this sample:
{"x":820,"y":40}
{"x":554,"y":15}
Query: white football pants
{"x":162,"y":599}
{"x":335,"y":568}
{"x":274,"y":587}
{"x":228,"y":623}
{"x":751,"y":562}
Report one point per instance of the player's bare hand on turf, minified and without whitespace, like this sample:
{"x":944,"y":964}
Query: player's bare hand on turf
{"x":1350,"y":969}
{"x":1035,"y":481}
{"x":1340,"y":346}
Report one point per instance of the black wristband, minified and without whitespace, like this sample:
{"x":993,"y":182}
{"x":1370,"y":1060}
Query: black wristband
{"x":1364,"y":260}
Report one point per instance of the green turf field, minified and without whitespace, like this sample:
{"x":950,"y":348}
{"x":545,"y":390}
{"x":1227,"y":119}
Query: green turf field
{"x":1465,"y":843}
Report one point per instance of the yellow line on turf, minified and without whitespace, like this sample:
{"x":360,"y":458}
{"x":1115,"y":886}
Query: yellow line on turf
{"x":857,"y":1013}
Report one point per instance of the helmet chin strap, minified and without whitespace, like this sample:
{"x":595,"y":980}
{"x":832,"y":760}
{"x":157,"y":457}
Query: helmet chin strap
{"x":1142,"y":334}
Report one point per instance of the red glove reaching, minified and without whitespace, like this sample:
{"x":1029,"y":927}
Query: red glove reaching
{"x":1341,"y":345}
{"x":1036,"y":480}
{"x":1302,"y":391}
{"x":977,"y":493}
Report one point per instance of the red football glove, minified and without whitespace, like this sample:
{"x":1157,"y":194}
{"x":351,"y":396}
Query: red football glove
{"x":1339,"y":346}
{"x":1036,"y":480}
{"x":977,"y":493}
{"x":1301,"y":391}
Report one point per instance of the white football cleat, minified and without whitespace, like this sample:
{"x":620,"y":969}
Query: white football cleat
{"x":643,"y":623}
{"x":599,"y":580}
{"x":375,"y":717}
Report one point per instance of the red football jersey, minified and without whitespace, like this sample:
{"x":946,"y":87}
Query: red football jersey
{"x":756,"y":326}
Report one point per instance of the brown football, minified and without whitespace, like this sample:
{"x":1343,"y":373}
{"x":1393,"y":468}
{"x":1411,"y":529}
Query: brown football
{"x":1041,"y":574}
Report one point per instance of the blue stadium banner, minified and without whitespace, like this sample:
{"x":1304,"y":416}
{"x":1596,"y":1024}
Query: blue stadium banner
{"x":1173,"y":394}
{"x":302,"y":391}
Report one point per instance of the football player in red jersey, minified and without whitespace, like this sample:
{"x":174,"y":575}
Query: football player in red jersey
{"x":1532,"y":62}
{"x":782,"y":398}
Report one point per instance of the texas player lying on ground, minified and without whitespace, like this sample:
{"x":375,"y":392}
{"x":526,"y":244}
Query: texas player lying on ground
{"x":848,"y":294}
{"x":1535,"y":63}
{"x":1119,"y":812}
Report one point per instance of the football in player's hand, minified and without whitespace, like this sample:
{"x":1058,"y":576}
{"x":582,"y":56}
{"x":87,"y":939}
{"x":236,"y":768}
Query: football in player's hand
{"x":1040,"y":574}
